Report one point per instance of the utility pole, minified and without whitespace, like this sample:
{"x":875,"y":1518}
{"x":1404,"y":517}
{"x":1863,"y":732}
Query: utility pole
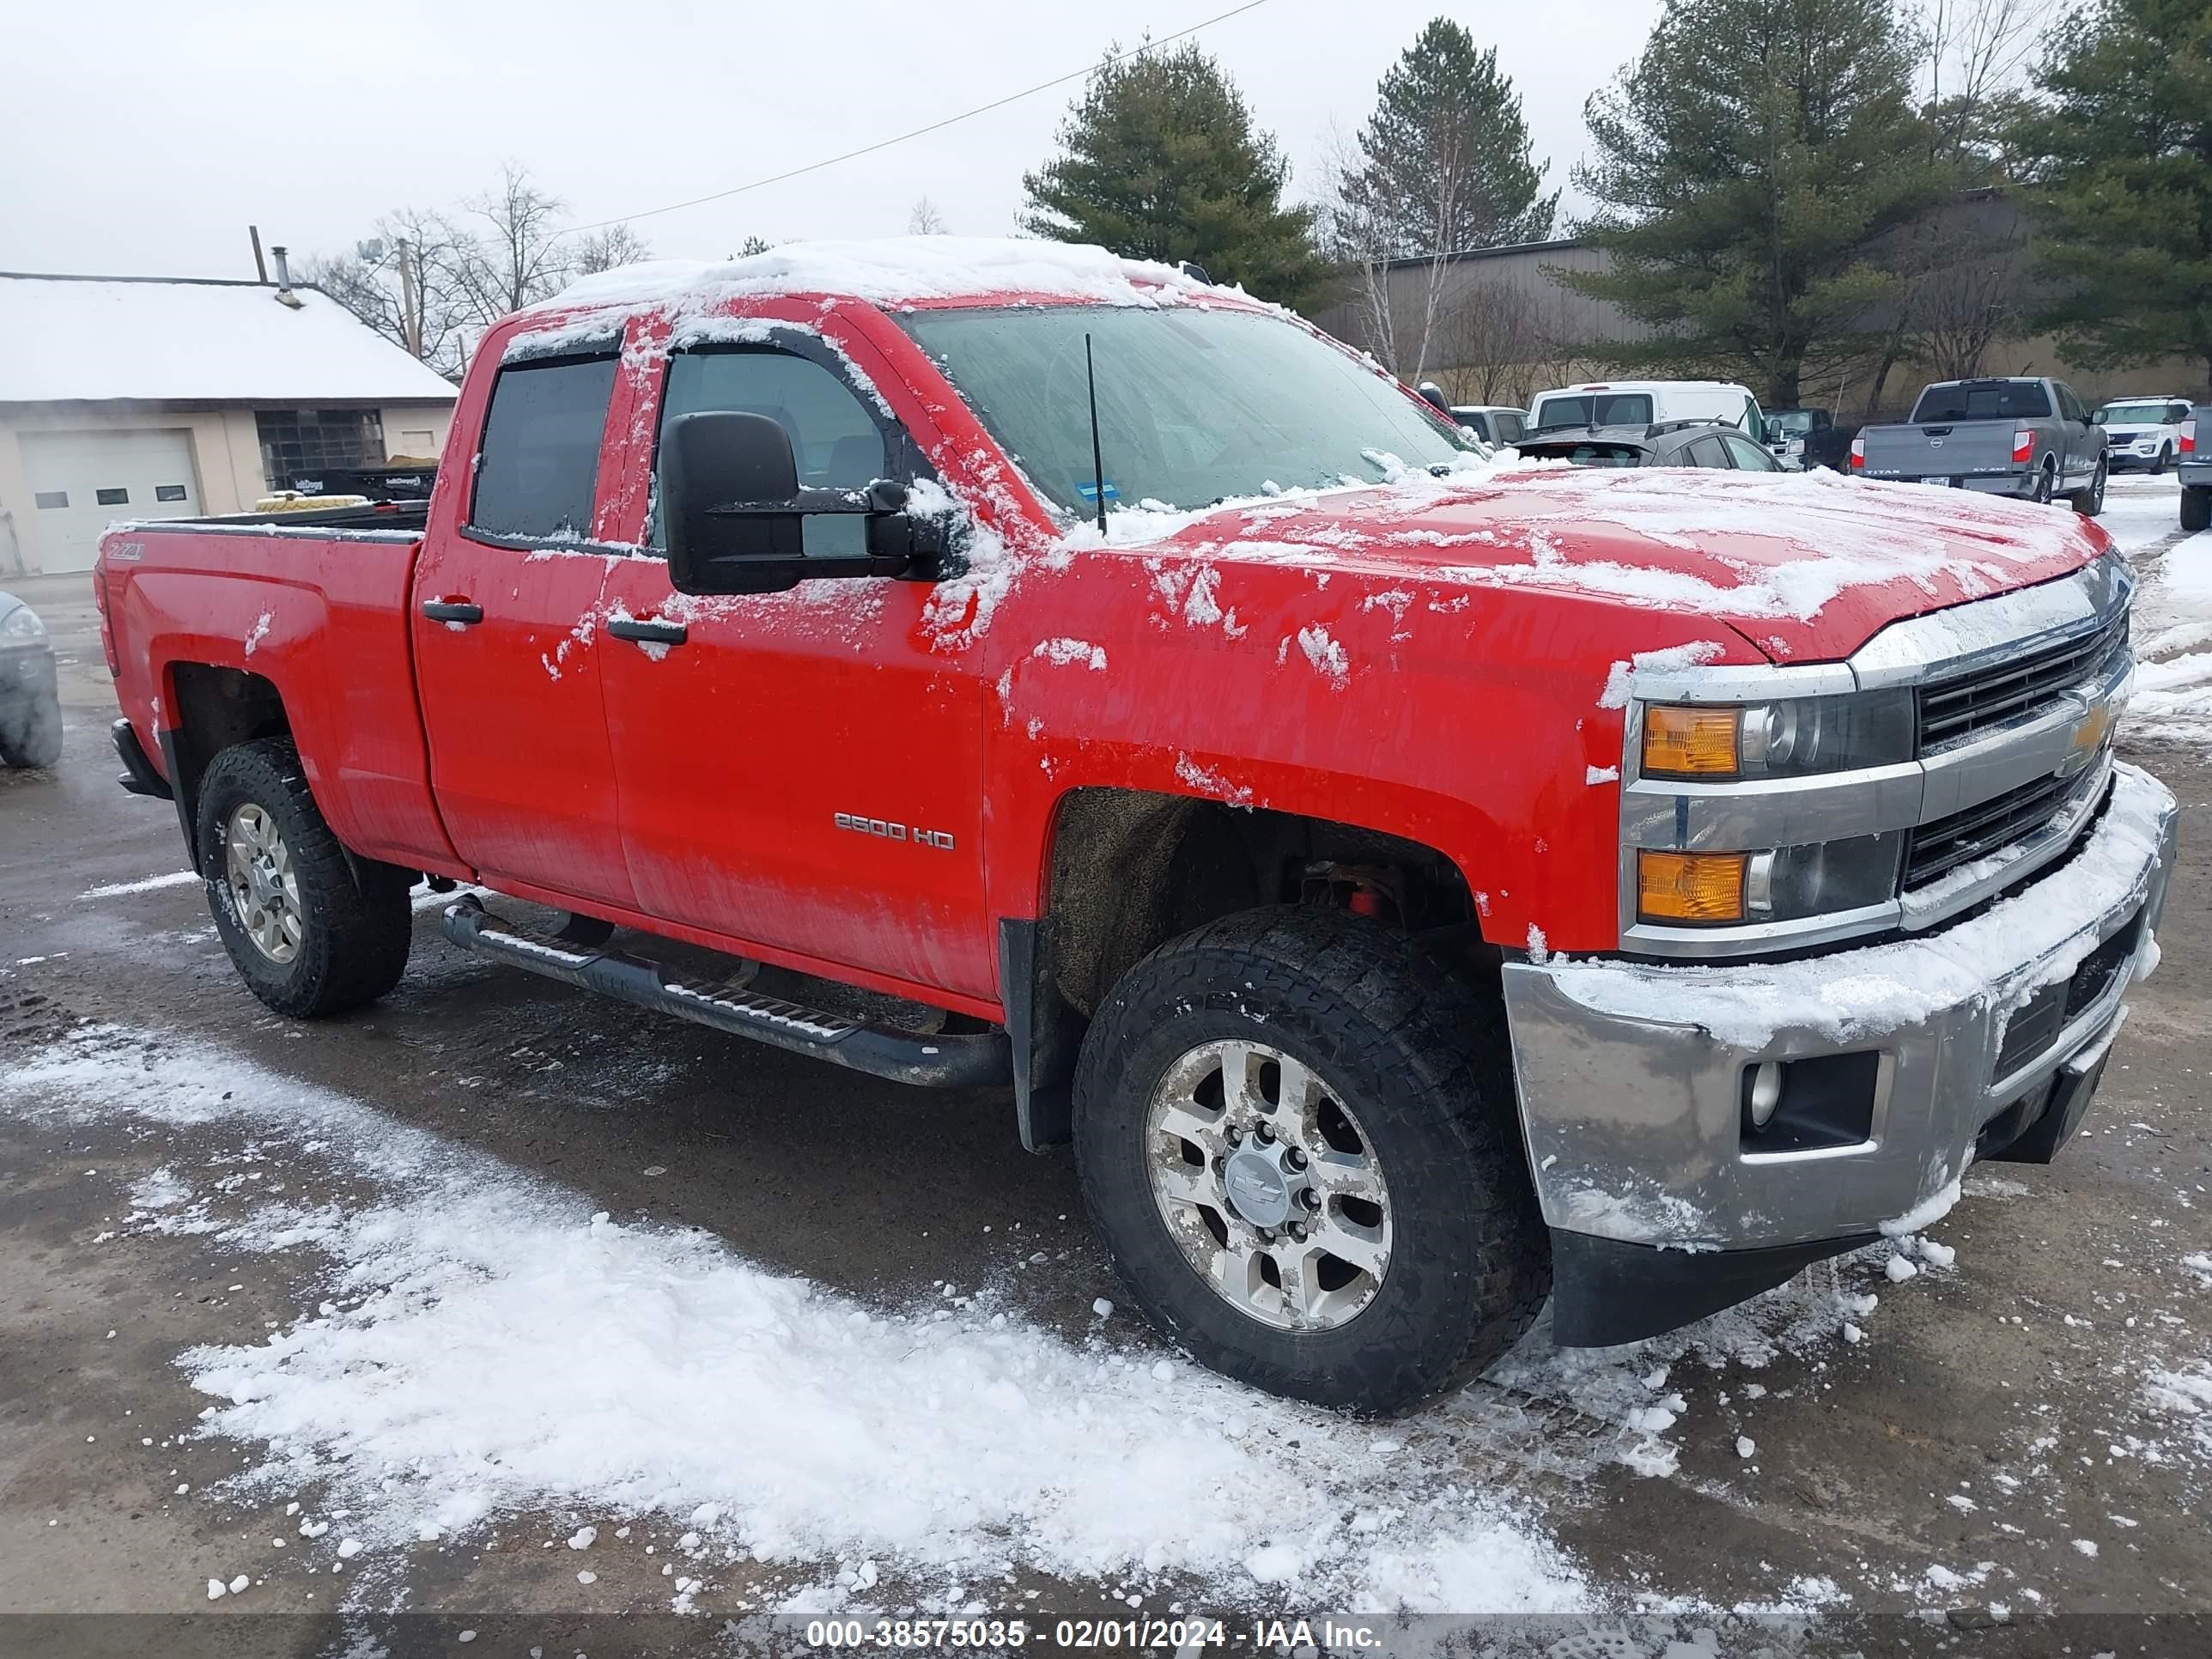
{"x":260,"y":265}
{"x":410,"y":316}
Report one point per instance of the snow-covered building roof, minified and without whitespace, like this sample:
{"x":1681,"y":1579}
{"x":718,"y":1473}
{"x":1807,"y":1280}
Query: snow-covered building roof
{"x":66,"y":339}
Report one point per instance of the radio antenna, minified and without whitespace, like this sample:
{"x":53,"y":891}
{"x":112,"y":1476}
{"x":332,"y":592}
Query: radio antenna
{"x":1097,"y":461}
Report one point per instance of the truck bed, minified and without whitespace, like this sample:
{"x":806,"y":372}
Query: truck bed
{"x":406,"y":517}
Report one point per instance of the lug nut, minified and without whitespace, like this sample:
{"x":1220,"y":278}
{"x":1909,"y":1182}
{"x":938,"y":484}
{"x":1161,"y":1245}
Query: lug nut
{"x":1266,"y":1236}
{"x":1311,"y":1199}
{"x":1297,"y":1231}
{"x":1220,"y":1164}
{"x":1233,"y":1135}
{"x":1294,"y":1158}
{"x":1264,"y":1135}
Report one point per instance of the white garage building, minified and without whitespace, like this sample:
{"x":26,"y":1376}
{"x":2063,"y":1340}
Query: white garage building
{"x":152,"y":397}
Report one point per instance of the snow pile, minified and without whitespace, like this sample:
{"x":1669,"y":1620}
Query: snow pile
{"x":1852,"y":995}
{"x":485,"y":1344}
{"x":2186,"y":1395}
{"x":890,"y":270}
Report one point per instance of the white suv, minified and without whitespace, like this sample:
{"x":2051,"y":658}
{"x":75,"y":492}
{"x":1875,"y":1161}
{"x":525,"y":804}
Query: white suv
{"x":1641,"y":403}
{"x":2141,"y":432}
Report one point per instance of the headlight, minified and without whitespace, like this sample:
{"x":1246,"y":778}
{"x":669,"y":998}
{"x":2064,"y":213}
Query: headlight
{"x":1783,"y":883}
{"x":21,"y":623}
{"x":1792,"y":737}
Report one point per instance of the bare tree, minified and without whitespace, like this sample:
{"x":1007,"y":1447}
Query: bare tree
{"x":520,"y":258}
{"x":1491,"y":340}
{"x":607,"y":248}
{"x":926,"y":220}
{"x":1975,"y":58}
{"x":1356,"y":236}
{"x":404,"y":283}
{"x":1970,"y":298}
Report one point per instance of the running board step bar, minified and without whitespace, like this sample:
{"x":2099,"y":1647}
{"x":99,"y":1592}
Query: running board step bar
{"x":963,"y":1061}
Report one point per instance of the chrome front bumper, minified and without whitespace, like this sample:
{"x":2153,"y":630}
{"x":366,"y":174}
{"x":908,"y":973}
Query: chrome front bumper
{"x":1631,"y":1075}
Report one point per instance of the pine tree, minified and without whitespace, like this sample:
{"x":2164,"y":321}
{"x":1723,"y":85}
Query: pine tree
{"x":1159,"y":161}
{"x":2120,"y":158}
{"x":1744,"y":165}
{"x":1444,"y":160}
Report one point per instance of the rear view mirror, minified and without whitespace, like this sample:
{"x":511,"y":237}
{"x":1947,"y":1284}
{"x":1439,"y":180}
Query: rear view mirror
{"x":735,"y":514}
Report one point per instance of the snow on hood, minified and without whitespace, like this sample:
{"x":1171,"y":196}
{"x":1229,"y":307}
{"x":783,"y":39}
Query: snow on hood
{"x":890,"y":270}
{"x":1807,"y":566}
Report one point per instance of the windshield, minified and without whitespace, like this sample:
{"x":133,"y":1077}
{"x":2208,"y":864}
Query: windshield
{"x":1794,"y":421}
{"x":2158,"y":414}
{"x":1195,"y":406}
{"x":1987,"y":401}
{"x":1595,"y":408}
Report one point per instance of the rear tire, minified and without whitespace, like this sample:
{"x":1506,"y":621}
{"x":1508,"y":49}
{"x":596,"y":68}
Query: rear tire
{"x":2045,"y":481}
{"x":1411,"y":1071}
{"x":2091,"y":501}
{"x":308,"y":937}
{"x":2196,"y":507}
{"x":37,"y":739}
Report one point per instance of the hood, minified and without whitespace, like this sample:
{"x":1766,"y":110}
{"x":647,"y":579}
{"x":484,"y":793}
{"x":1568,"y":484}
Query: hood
{"x":1808,"y":566}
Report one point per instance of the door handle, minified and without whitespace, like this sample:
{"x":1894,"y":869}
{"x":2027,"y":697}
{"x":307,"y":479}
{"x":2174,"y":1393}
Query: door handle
{"x":646,"y":630}
{"x":452,"y":611}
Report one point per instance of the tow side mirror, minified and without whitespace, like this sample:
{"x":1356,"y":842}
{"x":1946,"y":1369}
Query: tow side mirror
{"x":735,"y":516}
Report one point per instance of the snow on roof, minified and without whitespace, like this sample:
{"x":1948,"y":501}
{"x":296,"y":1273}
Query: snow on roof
{"x":890,"y":270}
{"x":68,"y":338}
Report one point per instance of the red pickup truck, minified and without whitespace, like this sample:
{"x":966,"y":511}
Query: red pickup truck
{"x":1415,"y":881}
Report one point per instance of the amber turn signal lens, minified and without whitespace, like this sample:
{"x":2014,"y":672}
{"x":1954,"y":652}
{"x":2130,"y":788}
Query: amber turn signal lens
{"x":1693,"y":887}
{"x":1690,"y":743}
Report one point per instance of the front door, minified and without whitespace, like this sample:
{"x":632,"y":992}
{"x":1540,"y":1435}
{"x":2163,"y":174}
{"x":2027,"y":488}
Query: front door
{"x":507,"y":648}
{"x":801,"y":770}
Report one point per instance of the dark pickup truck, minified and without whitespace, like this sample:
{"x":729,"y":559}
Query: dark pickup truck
{"x":2030,"y":438}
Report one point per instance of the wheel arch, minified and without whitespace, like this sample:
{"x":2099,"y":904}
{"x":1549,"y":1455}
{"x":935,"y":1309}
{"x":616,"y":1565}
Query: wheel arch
{"x":1126,"y":870}
{"x":212,"y":707}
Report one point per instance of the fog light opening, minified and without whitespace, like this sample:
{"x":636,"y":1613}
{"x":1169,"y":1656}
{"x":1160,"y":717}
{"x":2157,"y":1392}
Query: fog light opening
{"x":1765,"y":1092}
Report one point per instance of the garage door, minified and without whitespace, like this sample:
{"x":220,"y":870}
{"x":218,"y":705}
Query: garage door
{"x":80,"y":481}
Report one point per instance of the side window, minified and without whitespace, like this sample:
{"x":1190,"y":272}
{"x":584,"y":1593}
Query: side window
{"x":1510,"y":428}
{"x":539,"y":462}
{"x":1747,"y":455}
{"x":1705,"y":452}
{"x":2068,"y":404}
{"x":834,"y":437}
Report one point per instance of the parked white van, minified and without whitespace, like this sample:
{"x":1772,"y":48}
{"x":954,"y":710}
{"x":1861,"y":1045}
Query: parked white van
{"x":1640,"y":403}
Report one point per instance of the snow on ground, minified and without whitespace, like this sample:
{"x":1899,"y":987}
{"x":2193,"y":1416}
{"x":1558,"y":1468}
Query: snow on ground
{"x":485,"y":1344}
{"x":2174,"y":610}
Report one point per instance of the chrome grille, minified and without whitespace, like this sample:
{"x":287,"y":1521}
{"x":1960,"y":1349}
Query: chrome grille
{"x":1968,"y":705}
{"x":1937,"y":847}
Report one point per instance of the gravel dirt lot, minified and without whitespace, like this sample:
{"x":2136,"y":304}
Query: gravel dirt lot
{"x":2012,"y":1454}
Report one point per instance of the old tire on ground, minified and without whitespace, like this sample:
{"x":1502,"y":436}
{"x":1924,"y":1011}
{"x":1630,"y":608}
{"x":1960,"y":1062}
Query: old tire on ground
{"x":31,"y":737}
{"x":1407,"y":1074}
{"x":2196,"y":507}
{"x":308,"y":937}
{"x":2091,"y":501}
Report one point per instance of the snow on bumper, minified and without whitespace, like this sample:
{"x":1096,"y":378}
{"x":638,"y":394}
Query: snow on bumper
{"x":1632,"y":1077}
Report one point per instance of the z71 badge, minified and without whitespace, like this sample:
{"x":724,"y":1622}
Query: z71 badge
{"x":884,"y":830}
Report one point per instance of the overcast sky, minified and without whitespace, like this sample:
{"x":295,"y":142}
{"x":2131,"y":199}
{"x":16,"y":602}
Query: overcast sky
{"x":143,"y":138}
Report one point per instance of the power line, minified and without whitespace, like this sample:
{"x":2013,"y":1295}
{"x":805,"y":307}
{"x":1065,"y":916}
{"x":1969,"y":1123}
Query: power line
{"x":934,"y":126}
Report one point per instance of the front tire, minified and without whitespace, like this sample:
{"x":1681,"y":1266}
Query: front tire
{"x":308,"y":936}
{"x":2164,"y":459}
{"x":1405,"y":1253}
{"x":2091,"y":501}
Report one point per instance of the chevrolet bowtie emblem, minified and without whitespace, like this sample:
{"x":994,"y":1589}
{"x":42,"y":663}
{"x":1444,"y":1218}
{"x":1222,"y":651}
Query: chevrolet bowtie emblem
{"x":2090,"y":733}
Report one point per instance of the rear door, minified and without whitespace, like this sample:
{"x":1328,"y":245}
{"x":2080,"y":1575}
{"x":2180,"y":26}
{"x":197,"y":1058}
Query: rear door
{"x":2084,"y":441}
{"x":801,"y":770}
{"x":507,"y":646}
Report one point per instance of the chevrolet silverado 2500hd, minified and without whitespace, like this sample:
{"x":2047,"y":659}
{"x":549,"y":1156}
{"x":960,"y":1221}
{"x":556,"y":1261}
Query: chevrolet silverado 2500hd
{"x":1415,"y":883}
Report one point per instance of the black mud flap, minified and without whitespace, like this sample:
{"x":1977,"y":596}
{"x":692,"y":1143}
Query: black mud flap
{"x":1604,"y":1292}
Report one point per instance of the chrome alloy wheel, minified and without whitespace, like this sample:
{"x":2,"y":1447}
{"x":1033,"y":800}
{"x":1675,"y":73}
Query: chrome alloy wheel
{"x":257,"y":870}
{"x":1268,"y":1185}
